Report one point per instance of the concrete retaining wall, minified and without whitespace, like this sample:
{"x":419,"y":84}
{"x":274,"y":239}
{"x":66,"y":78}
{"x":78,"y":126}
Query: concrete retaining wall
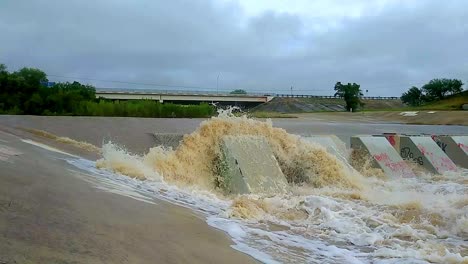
{"x":383,"y":154}
{"x":456,"y":148}
{"x":249,"y":166}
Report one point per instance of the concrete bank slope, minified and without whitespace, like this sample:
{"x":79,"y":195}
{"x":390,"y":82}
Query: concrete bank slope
{"x":305,"y":105}
{"x":49,"y":215}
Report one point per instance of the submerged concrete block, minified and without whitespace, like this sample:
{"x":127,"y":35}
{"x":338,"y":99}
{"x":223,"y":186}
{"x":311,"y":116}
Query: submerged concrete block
{"x":249,"y":166}
{"x":167,"y":139}
{"x":456,"y":148}
{"x":423,"y":151}
{"x":333,"y":144}
{"x":383,"y":154}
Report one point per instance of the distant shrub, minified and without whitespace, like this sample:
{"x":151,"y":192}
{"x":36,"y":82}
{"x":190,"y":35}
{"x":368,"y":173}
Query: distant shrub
{"x":142,"y":108}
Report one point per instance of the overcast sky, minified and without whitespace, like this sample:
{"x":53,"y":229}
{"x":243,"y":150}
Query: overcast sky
{"x":262,"y":45}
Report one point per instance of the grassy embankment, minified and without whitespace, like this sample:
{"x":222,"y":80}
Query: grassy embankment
{"x":452,"y":103}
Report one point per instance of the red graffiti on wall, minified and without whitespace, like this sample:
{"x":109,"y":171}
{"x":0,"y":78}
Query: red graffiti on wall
{"x":463,"y":147}
{"x":399,"y":166}
{"x":438,"y":162}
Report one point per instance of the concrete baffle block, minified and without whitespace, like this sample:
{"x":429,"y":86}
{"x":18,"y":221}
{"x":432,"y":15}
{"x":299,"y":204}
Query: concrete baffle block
{"x":333,"y":144}
{"x":249,"y":166}
{"x":167,"y":139}
{"x":456,"y":148}
{"x":422,"y":150}
{"x":383,"y":154}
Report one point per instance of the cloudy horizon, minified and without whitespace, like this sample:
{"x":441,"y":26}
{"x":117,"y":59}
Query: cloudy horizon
{"x":386,"y":46}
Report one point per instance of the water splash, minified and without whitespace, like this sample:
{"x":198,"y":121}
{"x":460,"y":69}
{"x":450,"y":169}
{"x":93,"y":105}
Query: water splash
{"x":194,"y":161}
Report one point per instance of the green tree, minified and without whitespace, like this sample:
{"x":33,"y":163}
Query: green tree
{"x":34,"y":105}
{"x":21,"y":85}
{"x":32,"y":78}
{"x":65,"y":97}
{"x":414,"y":96}
{"x":438,"y":89}
{"x":238,"y":91}
{"x":351,"y":93}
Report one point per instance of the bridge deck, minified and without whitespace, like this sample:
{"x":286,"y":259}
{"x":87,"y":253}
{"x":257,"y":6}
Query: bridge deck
{"x":204,"y":96}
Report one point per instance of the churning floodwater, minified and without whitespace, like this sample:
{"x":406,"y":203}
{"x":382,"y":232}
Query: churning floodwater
{"x":332,"y":214}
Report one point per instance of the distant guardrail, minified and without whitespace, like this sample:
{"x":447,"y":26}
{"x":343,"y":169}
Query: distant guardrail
{"x":334,"y":97}
{"x":223,"y":93}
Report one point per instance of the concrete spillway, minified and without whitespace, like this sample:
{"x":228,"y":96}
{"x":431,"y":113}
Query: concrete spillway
{"x":248,"y":165}
{"x":383,"y":155}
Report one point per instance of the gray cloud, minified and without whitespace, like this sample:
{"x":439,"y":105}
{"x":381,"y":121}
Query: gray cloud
{"x":188,"y":43}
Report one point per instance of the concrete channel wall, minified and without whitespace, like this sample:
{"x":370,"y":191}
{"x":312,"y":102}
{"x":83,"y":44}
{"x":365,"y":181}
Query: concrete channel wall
{"x":383,"y":154}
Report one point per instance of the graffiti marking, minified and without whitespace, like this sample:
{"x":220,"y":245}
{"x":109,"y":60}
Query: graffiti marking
{"x":407,"y":154}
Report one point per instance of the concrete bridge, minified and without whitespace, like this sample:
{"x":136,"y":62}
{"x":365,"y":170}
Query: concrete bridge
{"x":182,"y":96}
{"x":206,"y":96}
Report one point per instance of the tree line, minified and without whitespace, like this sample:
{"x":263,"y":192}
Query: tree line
{"x":435,"y":90}
{"x":26,"y":92}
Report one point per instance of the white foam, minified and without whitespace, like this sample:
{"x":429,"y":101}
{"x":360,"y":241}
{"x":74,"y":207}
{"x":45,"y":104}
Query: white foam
{"x":49,"y":148}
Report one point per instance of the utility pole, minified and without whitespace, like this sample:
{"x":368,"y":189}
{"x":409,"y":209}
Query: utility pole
{"x":217,"y":84}
{"x":291,"y":91}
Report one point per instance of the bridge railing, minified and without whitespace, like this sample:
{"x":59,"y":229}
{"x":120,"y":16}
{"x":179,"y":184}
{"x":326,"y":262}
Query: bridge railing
{"x":177,"y":92}
{"x":223,"y":93}
{"x":334,"y":97}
